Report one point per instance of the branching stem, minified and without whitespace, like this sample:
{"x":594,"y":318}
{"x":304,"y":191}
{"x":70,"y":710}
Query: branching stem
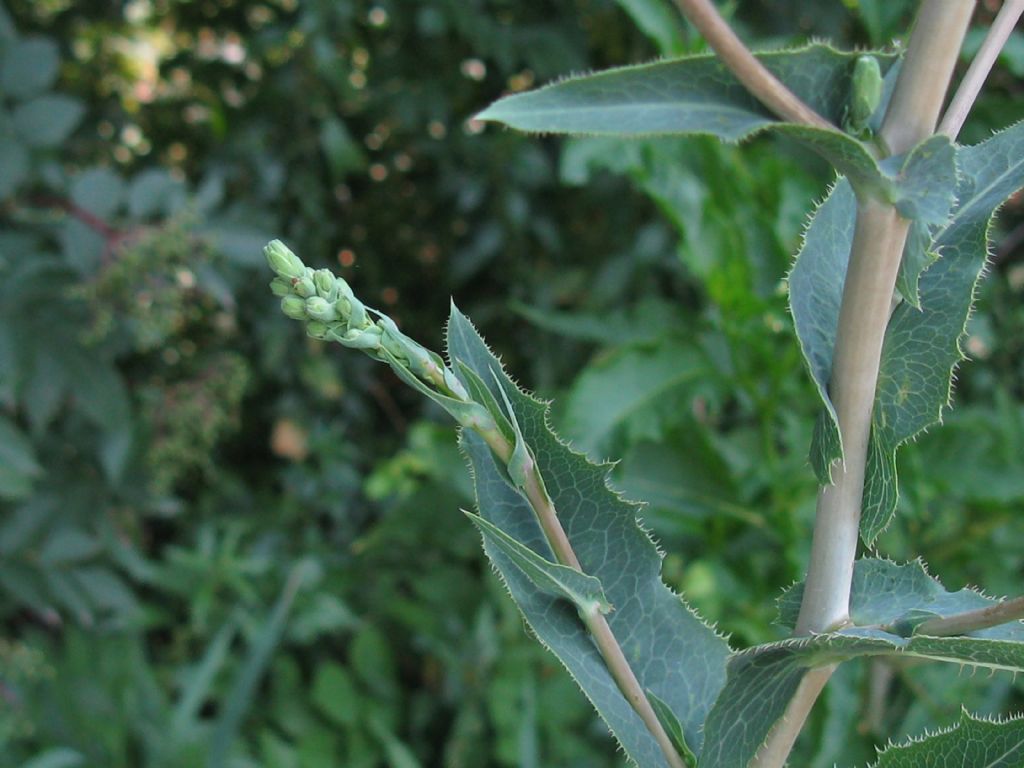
{"x":972,"y":621}
{"x":974,"y":78}
{"x":748,"y":70}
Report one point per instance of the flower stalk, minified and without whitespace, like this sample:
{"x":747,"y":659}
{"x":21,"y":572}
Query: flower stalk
{"x":330,"y":311}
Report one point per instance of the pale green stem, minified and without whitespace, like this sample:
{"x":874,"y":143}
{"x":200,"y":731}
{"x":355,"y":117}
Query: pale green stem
{"x":974,"y":78}
{"x":767,"y":88}
{"x":874,"y":262}
{"x":596,"y":623}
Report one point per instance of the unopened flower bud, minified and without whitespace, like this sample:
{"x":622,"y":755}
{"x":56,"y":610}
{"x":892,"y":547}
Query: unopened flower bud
{"x":320,"y":309}
{"x":304,"y":287}
{"x":282,"y":260}
{"x":294,"y":307}
{"x":280,"y":287}
{"x":324,"y":281}
{"x":316,"y":329}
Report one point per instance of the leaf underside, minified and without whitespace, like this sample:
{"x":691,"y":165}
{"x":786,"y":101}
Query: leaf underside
{"x":672,"y":652}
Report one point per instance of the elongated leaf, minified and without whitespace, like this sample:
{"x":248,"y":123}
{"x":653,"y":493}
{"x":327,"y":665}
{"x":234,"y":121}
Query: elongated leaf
{"x":698,"y":95}
{"x":815,"y":294}
{"x":972,"y":741}
{"x":762,"y":680}
{"x":672,"y":652}
{"x":922,"y":347}
{"x":922,"y":192}
{"x":583,"y":591}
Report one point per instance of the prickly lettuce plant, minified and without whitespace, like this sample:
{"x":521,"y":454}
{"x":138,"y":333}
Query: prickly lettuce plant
{"x":880,"y":292}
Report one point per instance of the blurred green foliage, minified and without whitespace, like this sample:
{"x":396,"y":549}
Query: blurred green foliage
{"x":223,"y":544}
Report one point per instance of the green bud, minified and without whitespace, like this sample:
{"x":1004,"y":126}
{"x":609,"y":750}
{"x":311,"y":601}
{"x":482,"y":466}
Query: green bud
{"x":280,"y":287}
{"x":316,"y":329}
{"x":324,"y":281}
{"x":304,"y":287}
{"x":865,"y":93}
{"x":294,"y":307}
{"x":365,"y":339}
{"x":320,"y":309}
{"x":282,"y":260}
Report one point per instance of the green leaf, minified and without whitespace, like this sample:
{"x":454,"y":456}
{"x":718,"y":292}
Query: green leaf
{"x":698,"y":95}
{"x":155,"y":192}
{"x":99,"y":191}
{"x":672,"y":652}
{"x":761,"y":682}
{"x":925,"y":196}
{"x":18,"y":464}
{"x":815,"y":294}
{"x":660,"y":21}
{"x":672,"y":728}
{"x":29,"y":67}
{"x":16,"y":162}
{"x":922,"y":190}
{"x":631,"y":389}
{"x":583,"y":591}
{"x":972,"y":741}
{"x":58,"y":757}
{"x":343,"y":153}
{"x":695,"y":94}
{"x":46,"y":121}
{"x":888,"y":594}
{"x":335,"y":694}
{"x":922,"y":347}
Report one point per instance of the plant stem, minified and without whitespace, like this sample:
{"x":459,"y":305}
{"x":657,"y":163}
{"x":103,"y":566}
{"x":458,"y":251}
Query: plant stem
{"x":597,"y":624}
{"x":921,"y":88}
{"x":970,"y":86}
{"x":971,"y":621}
{"x":878,"y":241}
{"x":748,"y":70}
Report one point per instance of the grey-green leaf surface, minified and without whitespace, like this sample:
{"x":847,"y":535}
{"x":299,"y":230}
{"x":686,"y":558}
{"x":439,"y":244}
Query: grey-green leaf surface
{"x":672,"y":652}
{"x":922,"y":347}
{"x":674,"y":730}
{"x":698,"y":95}
{"x":815,"y":294}
{"x":581,"y":590}
{"x":971,"y":742}
{"x":922,"y":190}
{"x":895,"y":595}
{"x":762,"y":680}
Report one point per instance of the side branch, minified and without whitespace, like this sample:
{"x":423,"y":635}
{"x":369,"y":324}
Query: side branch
{"x":972,"y":621}
{"x":768,"y":89}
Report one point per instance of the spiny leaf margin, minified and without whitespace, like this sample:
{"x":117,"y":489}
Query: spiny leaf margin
{"x":672,"y":652}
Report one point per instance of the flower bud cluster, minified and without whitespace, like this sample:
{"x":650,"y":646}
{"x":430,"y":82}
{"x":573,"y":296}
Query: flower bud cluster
{"x":330,"y":311}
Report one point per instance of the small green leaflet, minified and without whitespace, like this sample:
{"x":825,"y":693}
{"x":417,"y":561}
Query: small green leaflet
{"x":557,"y":580}
{"x":972,"y":741}
{"x":672,"y":652}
